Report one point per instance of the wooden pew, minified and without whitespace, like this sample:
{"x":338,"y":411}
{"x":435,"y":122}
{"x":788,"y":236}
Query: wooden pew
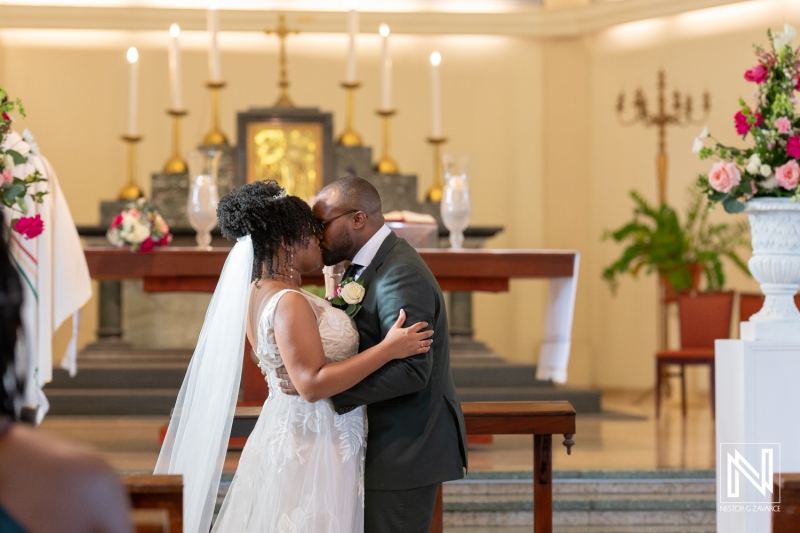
{"x":540,"y":419}
{"x":150,"y":520}
{"x":787,"y":520}
{"x":158,"y":492}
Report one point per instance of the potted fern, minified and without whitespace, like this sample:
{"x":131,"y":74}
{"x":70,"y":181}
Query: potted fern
{"x":679,"y":252}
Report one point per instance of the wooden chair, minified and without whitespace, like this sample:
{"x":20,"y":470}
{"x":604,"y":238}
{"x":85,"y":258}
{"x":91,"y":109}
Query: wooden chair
{"x":750,"y":303}
{"x":704,"y":317}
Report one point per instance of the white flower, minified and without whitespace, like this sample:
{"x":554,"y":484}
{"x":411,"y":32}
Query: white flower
{"x":753,"y":164}
{"x":114,"y":238}
{"x":134,"y":231}
{"x":704,"y":133}
{"x":697,"y":146}
{"x":352,"y":293}
{"x":128,"y":220}
{"x":14,"y":141}
{"x":8,"y":162}
{"x":769,"y":183}
{"x":140,"y":233}
{"x":779,"y":40}
{"x":27,"y":136}
{"x":765,"y":171}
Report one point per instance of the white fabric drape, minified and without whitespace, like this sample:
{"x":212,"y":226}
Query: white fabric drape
{"x":554,"y":354}
{"x":55,"y":277}
{"x":198,"y":433}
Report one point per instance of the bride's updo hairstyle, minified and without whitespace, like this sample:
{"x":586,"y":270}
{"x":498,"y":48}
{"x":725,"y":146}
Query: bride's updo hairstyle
{"x":271,"y":218}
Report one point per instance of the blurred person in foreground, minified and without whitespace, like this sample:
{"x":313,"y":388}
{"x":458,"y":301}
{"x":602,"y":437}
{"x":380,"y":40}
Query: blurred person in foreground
{"x":45,"y":485}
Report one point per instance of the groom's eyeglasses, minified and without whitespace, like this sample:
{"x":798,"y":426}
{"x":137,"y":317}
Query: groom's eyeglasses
{"x":326,"y":223}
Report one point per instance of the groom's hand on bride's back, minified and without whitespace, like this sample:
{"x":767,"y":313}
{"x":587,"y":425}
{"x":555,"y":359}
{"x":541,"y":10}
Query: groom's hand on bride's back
{"x":285,"y":381}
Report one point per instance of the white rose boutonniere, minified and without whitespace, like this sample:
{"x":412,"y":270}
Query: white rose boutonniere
{"x":349,"y":295}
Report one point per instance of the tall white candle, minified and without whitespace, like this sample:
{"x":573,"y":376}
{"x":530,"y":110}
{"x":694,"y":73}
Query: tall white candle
{"x":133,"y":59}
{"x":436,"y":95}
{"x":386,"y":72}
{"x":175,"y":68}
{"x":212,"y":24}
{"x":352,"y":30}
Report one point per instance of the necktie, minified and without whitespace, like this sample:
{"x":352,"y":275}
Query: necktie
{"x":351,"y":271}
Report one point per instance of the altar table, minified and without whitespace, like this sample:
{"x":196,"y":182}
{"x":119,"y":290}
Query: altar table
{"x":177,"y":269}
{"x":540,"y":419}
{"x":189,"y":269}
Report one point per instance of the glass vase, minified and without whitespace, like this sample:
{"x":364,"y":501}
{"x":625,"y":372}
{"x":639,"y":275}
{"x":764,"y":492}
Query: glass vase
{"x":456,"y":207}
{"x":201,"y":206}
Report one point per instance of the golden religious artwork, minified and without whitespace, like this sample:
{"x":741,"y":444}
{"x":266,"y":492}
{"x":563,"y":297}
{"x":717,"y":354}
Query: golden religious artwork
{"x":288,"y":154}
{"x":291,"y":147}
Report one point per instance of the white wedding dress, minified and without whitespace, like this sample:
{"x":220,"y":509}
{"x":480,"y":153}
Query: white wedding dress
{"x":302,"y":469}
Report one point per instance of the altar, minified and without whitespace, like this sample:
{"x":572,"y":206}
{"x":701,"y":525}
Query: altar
{"x":188,"y":269}
{"x":178,"y":269}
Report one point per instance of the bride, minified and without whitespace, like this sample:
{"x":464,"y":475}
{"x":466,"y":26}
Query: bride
{"x":302,"y":468}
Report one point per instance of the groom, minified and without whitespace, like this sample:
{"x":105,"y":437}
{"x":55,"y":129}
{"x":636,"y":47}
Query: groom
{"x":416,"y":436}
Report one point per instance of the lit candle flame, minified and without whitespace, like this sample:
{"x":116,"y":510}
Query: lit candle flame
{"x":384,"y":30}
{"x":133,"y":55}
{"x":175,"y":30}
{"x":436,"y":58}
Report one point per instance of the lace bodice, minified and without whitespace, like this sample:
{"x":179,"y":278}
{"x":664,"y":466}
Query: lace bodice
{"x":336,"y":329}
{"x":302,"y":468}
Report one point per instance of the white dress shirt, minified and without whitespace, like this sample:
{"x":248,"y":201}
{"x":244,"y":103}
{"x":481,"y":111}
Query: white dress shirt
{"x":367,"y":252}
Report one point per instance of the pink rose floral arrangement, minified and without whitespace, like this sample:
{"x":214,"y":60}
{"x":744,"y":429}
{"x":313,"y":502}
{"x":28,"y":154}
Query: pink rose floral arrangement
{"x":770,"y":168}
{"x":18,"y":174}
{"x":139,"y":227}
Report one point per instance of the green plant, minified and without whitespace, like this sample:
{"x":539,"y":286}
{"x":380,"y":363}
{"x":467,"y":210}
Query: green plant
{"x":658,"y":242}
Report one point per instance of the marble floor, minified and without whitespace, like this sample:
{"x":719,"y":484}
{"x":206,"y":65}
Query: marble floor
{"x":626,"y":436}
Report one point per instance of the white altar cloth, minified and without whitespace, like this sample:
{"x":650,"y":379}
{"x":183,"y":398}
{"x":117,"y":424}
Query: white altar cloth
{"x":554,"y":353}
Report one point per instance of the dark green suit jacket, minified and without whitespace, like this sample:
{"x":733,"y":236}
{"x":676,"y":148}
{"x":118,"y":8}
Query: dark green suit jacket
{"x":416,"y":433}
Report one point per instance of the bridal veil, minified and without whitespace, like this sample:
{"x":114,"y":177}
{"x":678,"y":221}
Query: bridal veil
{"x":197,"y":438}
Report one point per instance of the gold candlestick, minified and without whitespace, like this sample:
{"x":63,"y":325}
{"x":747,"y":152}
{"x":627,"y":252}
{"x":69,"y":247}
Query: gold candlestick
{"x":386,"y":165}
{"x":349,"y":136}
{"x":131,"y":191}
{"x":215,"y":136}
{"x":682,"y":114}
{"x":176,"y":164}
{"x":435,"y":192}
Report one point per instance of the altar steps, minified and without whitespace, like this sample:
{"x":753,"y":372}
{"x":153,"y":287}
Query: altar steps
{"x":583,"y":502}
{"x":588,"y":529}
{"x":124,"y":383}
{"x":494,"y":380}
{"x":608,"y":502}
{"x":136,"y":382}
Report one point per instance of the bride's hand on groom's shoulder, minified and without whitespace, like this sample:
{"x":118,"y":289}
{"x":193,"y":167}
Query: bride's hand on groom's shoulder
{"x":285,"y":382}
{"x":405,"y":342}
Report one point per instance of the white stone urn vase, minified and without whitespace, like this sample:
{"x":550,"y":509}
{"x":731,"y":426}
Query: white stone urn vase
{"x":775,"y":229}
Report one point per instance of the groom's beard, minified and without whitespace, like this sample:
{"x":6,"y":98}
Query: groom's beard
{"x":338,"y":250}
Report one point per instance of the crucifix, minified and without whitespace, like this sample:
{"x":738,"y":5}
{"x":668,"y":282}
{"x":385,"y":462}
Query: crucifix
{"x":282,"y":32}
{"x":681,"y":115}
